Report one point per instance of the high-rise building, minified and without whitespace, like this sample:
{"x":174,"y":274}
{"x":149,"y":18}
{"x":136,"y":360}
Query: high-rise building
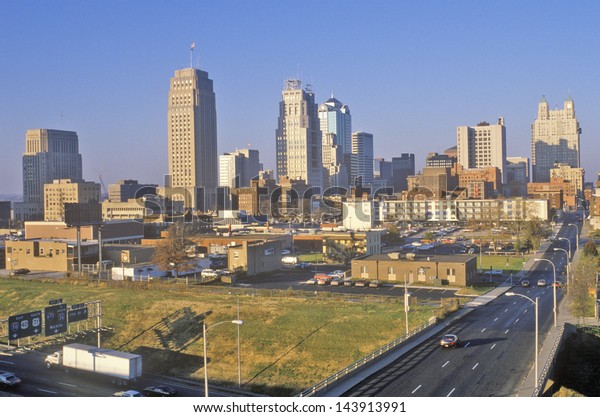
{"x":192,"y":136}
{"x":362,"y":159}
{"x":517,"y":176}
{"x":298,"y":136}
{"x":49,"y":155}
{"x":237,"y":169}
{"x":434,"y":160}
{"x":334,"y":117}
{"x":64,"y":191}
{"x":402,"y":167}
{"x":124,"y":190}
{"x":554,"y":138}
{"x":334,"y":163}
{"x":482,"y":146}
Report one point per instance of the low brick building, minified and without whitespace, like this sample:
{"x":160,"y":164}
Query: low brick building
{"x":455,"y":270}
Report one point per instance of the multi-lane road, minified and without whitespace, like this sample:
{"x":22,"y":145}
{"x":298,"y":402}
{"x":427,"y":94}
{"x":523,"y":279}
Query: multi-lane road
{"x":497,"y":348}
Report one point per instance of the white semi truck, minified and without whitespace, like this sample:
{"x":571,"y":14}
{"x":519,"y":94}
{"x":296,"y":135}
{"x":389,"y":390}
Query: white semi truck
{"x":121,"y":366}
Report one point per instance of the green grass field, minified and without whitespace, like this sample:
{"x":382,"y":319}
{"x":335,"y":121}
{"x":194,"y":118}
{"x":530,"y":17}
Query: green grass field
{"x":287,"y":344}
{"x":509,"y":264}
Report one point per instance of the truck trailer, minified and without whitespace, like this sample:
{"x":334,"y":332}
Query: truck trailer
{"x":121,"y":366}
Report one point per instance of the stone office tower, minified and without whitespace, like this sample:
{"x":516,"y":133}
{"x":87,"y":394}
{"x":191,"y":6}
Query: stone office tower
{"x":192,"y":135}
{"x":298,"y":136}
{"x":554,"y":138}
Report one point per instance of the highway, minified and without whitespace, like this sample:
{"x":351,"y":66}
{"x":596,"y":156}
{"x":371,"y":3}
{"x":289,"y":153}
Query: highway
{"x":497,"y":345}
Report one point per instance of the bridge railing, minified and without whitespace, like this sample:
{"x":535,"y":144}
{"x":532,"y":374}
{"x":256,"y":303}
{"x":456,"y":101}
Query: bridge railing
{"x":543,"y":377}
{"x":332,"y":379}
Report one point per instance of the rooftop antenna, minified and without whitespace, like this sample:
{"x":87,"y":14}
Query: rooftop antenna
{"x":192,"y":46}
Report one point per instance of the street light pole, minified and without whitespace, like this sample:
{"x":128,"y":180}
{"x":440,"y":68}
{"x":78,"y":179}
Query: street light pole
{"x":509,"y":294}
{"x":553,"y":285}
{"x":567,"y":254}
{"x":406,"y":302}
{"x":576,"y":236}
{"x":204,"y":330}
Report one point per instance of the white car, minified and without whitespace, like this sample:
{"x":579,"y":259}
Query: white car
{"x":338,"y":273}
{"x":209,"y":273}
{"x":128,"y":393}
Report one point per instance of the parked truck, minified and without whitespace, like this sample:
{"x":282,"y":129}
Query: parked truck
{"x":121,"y":366}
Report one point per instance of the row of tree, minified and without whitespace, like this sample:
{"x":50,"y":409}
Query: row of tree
{"x":584,"y":282}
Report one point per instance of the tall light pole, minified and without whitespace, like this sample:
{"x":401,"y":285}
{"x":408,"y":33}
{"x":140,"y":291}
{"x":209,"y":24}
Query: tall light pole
{"x":569,"y":242}
{"x":204,"y":330}
{"x":406,"y":308}
{"x":553,"y":285}
{"x":577,"y":235}
{"x":510,"y":294}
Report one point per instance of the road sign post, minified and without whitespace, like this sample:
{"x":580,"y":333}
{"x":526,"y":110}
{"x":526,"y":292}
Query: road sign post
{"x":55,"y":319}
{"x":24,"y":325}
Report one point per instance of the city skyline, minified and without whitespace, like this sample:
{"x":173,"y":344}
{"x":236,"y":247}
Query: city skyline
{"x":411,"y":81}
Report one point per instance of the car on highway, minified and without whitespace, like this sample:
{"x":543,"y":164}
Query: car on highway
{"x":160,"y":391}
{"x":557,"y":284}
{"x":525,"y":284}
{"x":21,"y":271}
{"x":9,"y":380}
{"x":449,"y":341}
{"x":128,"y":393}
{"x":541,"y":283}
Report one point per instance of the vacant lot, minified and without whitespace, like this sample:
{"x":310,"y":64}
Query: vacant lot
{"x":287,"y":344}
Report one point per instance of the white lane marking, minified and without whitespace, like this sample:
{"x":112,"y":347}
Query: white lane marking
{"x":468,"y":343}
{"x":10,"y":363}
{"x":516,"y":321}
{"x":428,"y":291}
{"x":525,"y":311}
{"x":447,"y":362}
{"x":515,"y":302}
{"x":493,"y":346}
{"x":506,"y":331}
{"x":496,"y":319}
{"x":45,"y":390}
{"x":477,"y":364}
{"x":450,"y":393}
{"x":506,"y":310}
{"x":415,"y":390}
{"x":483,"y":330}
{"x":68,"y":385}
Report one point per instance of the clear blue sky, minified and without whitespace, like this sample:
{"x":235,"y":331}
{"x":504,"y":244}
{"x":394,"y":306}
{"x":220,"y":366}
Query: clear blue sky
{"x":411,"y":72}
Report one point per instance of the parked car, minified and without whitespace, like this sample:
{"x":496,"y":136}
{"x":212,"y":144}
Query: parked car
{"x":21,"y":271}
{"x":375,"y":284}
{"x":9,"y":380}
{"x":361,"y":283}
{"x":160,"y":391}
{"x":449,"y":340}
{"x":311,"y":281}
{"x":285,"y":252}
{"x":323,"y":281}
{"x":128,"y":393}
{"x":209,"y":273}
{"x":338,"y":273}
{"x":348,"y":282}
{"x":525,"y":284}
{"x":337,"y":282}
{"x":541,"y":283}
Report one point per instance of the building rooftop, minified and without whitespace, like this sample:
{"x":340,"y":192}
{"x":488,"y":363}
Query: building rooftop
{"x":419,"y":258}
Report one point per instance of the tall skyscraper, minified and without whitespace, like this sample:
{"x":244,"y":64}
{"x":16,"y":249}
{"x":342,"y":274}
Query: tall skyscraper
{"x":298,"y":136}
{"x":482,"y":146}
{"x":402,"y":167}
{"x":362,"y":159}
{"x":192,"y":135}
{"x":237,"y":169}
{"x":334,"y":163}
{"x":49,"y":155}
{"x":554,"y":138}
{"x":334,"y":117}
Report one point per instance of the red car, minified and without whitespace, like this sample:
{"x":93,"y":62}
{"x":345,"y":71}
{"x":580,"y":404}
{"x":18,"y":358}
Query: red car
{"x":449,"y":341}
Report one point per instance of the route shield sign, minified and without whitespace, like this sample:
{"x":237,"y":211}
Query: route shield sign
{"x":78,"y":314}
{"x":25,"y":325}
{"x":55,"y":319}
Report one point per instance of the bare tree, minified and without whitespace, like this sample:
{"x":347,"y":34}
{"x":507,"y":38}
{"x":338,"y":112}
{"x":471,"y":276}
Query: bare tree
{"x":171,"y":254}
